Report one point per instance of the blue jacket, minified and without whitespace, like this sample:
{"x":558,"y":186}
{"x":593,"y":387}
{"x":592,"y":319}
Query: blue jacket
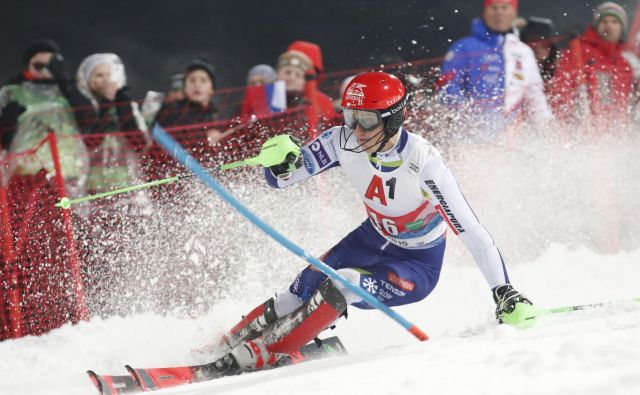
{"x":474,"y":67}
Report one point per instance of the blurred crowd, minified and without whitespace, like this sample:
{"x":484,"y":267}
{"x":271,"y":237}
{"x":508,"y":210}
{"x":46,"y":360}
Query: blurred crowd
{"x":509,"y":70}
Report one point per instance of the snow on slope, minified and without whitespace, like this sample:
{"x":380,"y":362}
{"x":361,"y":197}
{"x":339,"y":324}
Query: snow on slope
{"x":565,"y":216}
{"x":589,"y":352}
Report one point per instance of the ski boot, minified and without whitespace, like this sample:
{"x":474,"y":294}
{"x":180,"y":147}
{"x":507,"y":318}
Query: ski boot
{"x":286,"y":335}
{"x":512,"y":307}
{"x":251,"y":326}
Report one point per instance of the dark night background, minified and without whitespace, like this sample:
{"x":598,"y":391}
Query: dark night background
{"x":156,"y":38}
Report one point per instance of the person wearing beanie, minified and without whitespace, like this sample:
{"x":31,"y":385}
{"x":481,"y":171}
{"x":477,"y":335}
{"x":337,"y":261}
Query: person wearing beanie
{"x":491,"y":77}
{"x":38,"y":100}
{"x":610,"y":21}
{"x":261,"y":74}
{"x":197,"y":106}
{"x":293,"y":69}
{"x":204,"y":66}
{"x":594,"y":81}
{"x":292,"y":66}
{"x":321,"y":102}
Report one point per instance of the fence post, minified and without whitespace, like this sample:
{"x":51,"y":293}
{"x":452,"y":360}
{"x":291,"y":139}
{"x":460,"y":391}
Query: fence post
{"x":81,"y":305}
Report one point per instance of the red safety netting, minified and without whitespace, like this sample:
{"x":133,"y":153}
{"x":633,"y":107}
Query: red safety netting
{"x":48,"y":258}
{"x":48,"y":254}
{"x":38,"y":289}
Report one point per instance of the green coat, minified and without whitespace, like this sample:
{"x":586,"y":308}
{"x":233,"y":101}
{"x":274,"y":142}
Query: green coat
{"x":45,"y":109}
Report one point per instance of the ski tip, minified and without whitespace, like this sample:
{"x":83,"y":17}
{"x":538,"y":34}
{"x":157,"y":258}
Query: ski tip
{"x":134,"y":374}
{"x":96,"y":380}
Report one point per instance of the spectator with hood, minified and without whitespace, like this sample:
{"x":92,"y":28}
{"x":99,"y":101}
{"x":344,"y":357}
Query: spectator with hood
{"x":197,"y":107}
{"x":593,"y":80}
{"x":35,"y":102}
{"x":102,"y":80}
{"x":493,"y":76}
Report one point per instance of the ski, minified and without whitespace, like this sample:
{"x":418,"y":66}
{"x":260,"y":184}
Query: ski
{"x":113,"y":385}
{"x":525,"y":317}
{"x":567,"y":309}
{"x":141,"y":379}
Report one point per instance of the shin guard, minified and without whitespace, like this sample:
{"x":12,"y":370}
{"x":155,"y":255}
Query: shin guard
{"x":291,"y":332}
{"x":252,"y":325}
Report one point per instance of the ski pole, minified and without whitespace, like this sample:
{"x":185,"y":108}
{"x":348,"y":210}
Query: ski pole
{"x":66,"y":203}
{"x":274,"y":151}
{"x":179,"y":153}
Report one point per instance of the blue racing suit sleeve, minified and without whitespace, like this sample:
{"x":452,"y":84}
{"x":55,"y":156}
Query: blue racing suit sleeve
{"x":319,"y":155}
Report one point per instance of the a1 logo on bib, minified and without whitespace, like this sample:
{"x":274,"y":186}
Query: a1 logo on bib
{"x":375,"y":190}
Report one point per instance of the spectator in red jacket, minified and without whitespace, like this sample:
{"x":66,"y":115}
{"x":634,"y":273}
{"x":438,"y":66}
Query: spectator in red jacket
{"x":319,"y":100}
{"x":593,"y":79}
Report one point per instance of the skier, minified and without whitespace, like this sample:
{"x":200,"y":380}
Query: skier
{"x":411,"y":198}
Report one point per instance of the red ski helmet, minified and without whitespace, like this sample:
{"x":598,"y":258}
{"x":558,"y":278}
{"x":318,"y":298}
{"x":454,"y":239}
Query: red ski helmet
{"x":375,"y":91}
{"x":371,"y":99}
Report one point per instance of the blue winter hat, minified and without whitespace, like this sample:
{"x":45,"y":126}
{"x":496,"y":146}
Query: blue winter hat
{"x":265,"y":71}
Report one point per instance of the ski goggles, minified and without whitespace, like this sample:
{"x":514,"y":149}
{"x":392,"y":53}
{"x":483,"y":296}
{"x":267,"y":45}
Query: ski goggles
{"x":368,"y":120}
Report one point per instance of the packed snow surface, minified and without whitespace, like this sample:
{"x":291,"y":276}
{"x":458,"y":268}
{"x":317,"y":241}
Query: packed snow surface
{"x":565,"y":216}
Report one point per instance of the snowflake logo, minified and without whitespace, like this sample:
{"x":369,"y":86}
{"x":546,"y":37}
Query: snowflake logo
{"x":370,"y":285}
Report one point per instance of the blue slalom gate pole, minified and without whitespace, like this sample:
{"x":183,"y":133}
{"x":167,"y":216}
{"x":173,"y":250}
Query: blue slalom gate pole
{"x":178,"y":152}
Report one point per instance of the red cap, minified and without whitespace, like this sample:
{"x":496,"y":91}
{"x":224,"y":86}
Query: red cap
{"x":514,"y":3}
{"x":314,"y":53}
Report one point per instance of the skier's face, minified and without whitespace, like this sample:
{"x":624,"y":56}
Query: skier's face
{"x":369,"y":140}
{"x":610,"y":28}
{"x":499,"y":16}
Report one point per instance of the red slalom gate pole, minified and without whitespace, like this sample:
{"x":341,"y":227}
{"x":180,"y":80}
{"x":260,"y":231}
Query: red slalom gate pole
{"x":12,"y":321}
{"x":81,"y":304}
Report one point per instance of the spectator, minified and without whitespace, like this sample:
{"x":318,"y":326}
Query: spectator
{"x":197,"y":106}
{"x":261,"y":74}
{"x":292,"y":66}
{"x":36,"y":101}
{"x":493,"y":74}
{"x":264,"y":94}
{"x":102,"y":80}
{"x":538,"y":34}
{"x":593,"y":78}
{"x":154,"y":100}
{"x":288,"y":90}
{"x":319,"y":100}
{"x":176,"y":89}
